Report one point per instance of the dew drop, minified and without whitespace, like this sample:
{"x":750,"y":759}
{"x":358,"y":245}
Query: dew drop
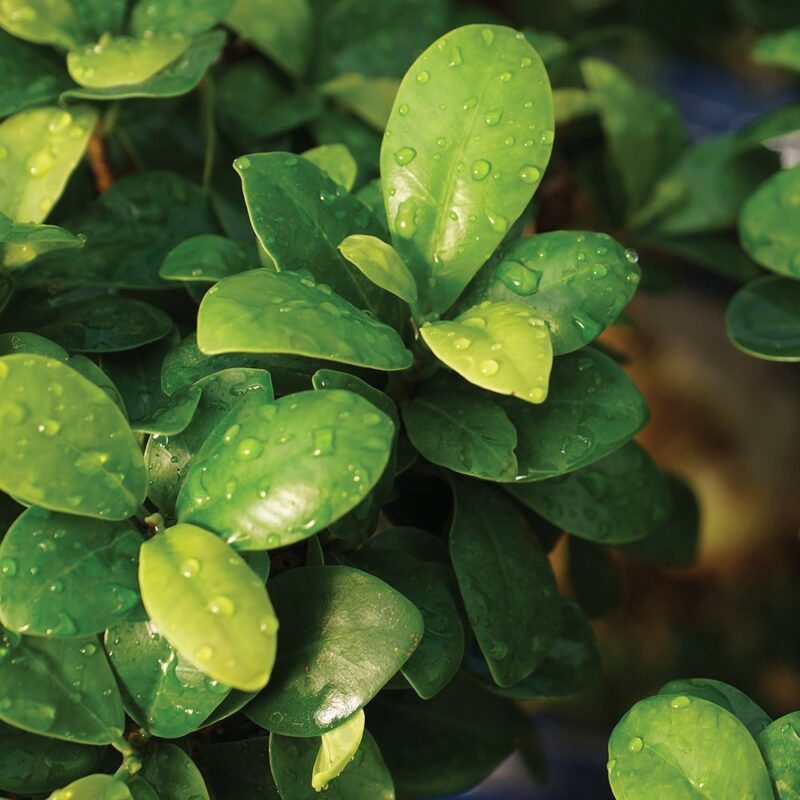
{"x":631,"y":255}
{"x":635,"y":745}
{"x":456,"y":59}
{"x":405,"y":155}
{"x":403,"y":109}
{"x":222,"y":605}
{"x":489,"y":367}
{"x":487,"y":34}
{"x":424,"y":76}
{"x":497,"y":223}
{"x":462,"y":343}
{"x":491,"y":118}
{"x":203,"y":654}
{"x":681,"y":701}
{"x":529,"y":174}
{"x":190,"y":568}
{"x":480,"y":169}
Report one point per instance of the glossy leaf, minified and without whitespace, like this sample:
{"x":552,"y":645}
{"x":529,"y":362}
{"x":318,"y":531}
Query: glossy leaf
{"x":119,"y":60}
{"x":780,"y":49}
{"x":94,"y":787}
{"x":381,"y":264}
{"x":621,"y":498}
{"x":41,"y":148}
{"x":344,"y":634}
{"x":667,"y":746}
{"x":179,"y":77}
{"x":173,"y":416}
{"x":33,"y":764}
{"x":209,"y":605}
{"x":173,"y":772}
{"x":163,"y":691}
{"x":140,"y":789}
{"x":177,"y":16}
{"x":502,"y":347}
{"x":506,"y":582}
{"x":86,"y":367}
{"x":62,"y":575}
{"x":333,"y":379}
{"x":643,"y":130}
{"x":42,"y":21}
{"x":281,"y":29}
{"x":337,"y":748}
{"x":364,"y":778}
{"x":207,"y":258}
{"x":592,"y":409}
{"x":780,"y":746}
{"x":460,"y":177}
{"x":336,"y":161}
{"x":768,"y":223}
{"x":763,"y":319}
{"x":21,"y":242}
{"x":168,"y":458}
{"x":40,"y":695}
{"x":261,"y":311}
{"x":754,"y":718}
{"x":463,"y":431}
{"x":130,"y":229}
{"x":577,"y":282}
{"x":45,"y":425}
{"x":24,"y":342}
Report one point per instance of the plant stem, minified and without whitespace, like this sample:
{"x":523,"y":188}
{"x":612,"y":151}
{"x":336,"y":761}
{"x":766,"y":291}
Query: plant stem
{"x":209,"y":129}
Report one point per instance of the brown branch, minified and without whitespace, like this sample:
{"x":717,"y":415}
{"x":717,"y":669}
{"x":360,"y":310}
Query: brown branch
{"x":98,"y":161}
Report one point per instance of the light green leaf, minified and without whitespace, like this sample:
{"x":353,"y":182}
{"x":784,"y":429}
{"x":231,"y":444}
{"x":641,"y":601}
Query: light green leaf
{"x":271,"y":474}
{"x":261,"y":311}
{"x":673,"y":746}
{"x":502,"y":347}
{"x":209,"y":605}
{"x":344,"y":634}
{"x":763,"y":318}
{"x":121,"y":60}
{"x":768,"y":223}
{"x":281,"y":29}
{"x":578,"y":282}
{"x":173,"y":416}
{"x":336,"y":161}
{"x":571,"y":104}
{"x":370,"y":99}
{"x":177,"y":16}
{"x":21,"y":242}
{"x":65,"y":445}
{"x":42,"y":21}
{"x":465,"y":147}
{"x":207,"y":258}
{"x":337,"y":749}
{"x":40,"y":148}
{"x":780,"y":49}
{"x":780,"y":746}
{"x":94,"y":787}
{"x":38,"y":675}
{"x":505,"y":580}
{"x":62,"y":575}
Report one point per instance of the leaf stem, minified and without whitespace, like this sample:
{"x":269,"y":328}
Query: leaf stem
{"x":209,"y":129}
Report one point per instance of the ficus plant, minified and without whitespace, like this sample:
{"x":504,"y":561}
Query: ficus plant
{"x":298,"y":393}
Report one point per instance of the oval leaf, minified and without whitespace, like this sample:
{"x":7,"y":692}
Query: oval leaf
{"x":336,"y":161}
{"x":780,"y":746}
{"x":206,"y":258}
{"x":209,"y":605}
{"x":462,"y":174}
{"x":337,"y":749}
{"x":173,"y":772}
{"x":94,"y":787}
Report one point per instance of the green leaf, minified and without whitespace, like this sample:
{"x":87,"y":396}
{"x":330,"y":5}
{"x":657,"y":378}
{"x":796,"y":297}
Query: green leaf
{"x":41,"y":147}
{"x":130,"y":229}
{"x":100,"y":16}
{"x":6,"y":288}
{"x":344,"y":634}
{"x":42,"y":21}
{"x":86,"y":367}
{"x":271,"y":474}
{"x":140,"y":789}
{"x":173,"y":772}
{"x":24,"y":342}
{"x":173,"y":416}
{"x":209,"y":605}
{"x":177,"y":16}
{"x":62,"y":575}
{"x":754,"y":718}
{"x":674,"y":542}
{"x":169,"y":457}
{"x":467,"y":734}
{"x":464,"y":431}
{"x":763,"y":318}
{"x":768,"y":223}
{"x":104,"y":324}
{"x":337,"y":748}
{"x":459,"y":177}
{"x":207,"y":258}
{"x":593,"y":577}
{"x":364,"y":778}
{"x":506,"y":582}
{"x":121,"y":60}
{"x":592,"y":409}
{"x":33,"y":764}
{"x":336,"y":161}
{"x":31,"y":76}
{"x":570,"y":104}
{"x":644,"y":133}
{"x":577,"y":282}
{"x":316,"y":214}
{"x":178,"y":78}
{"x":621,"y":498}
{"x":333,"y":379}
{"x":94,"y":787}
{"x":502,"y":347}
{"x":39,"y":694}
{"x":65,"y":445}
{"x":163,"y":691}
{"x":381,"y":264}
{"x":668,"y":746}
{"x":261,"y":311}
{"x":238,"y":769}
{"x":780,"y":49}
{"x":780,"y":747}
{"x":21,"y":242}
{"x":370,"y":99}
{"x":281,"y":29}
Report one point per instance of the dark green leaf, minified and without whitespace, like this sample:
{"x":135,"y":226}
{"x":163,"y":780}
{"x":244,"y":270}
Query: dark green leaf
{"x":780,"y":746}
{"x":333,"y":379}
{"x":86,"y":367}
{"x":173,"y":416}
{"x":593,"y":576}
{"x":343,"y":635}
{"x":24,"y":342}
{"x":207,"y":258}
{"x":173,"y":772}
{"x":177,"y":16}
{"x":459,"y":178}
